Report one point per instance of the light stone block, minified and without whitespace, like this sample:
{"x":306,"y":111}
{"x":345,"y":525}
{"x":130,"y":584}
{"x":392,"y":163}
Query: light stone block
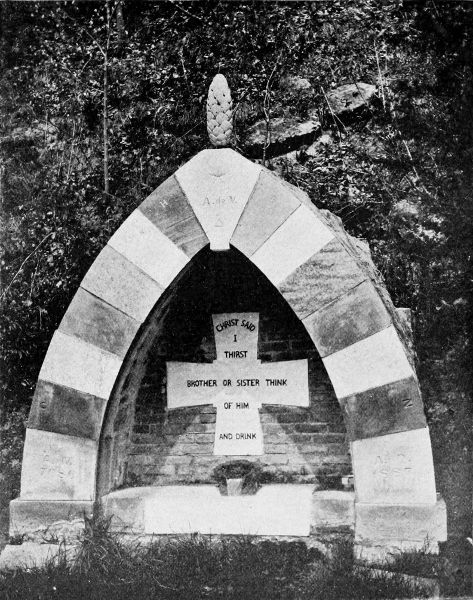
{"x":148,"y":248}
{"x":79,"y":365}
{"x":394,"y":469}
{"x":122,"y":284}
{"x":389,"y":551}
{"x":333,"y":508}
{"x":218,"y":184}
{"x":31,"y":555}
{"x":372,"y":362}
{"x":404,"y":523}
{"x":270,"y":205}
{"x":125,"y":507}
{"x":273,"y":510}
{"x":301,"y":236}
{"x":58,"y":467}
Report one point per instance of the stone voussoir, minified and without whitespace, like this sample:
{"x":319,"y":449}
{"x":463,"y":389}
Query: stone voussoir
{"x":98,"y":323}
{"x":68,"y":360}
{"x":386,"y":409}
{"x":218,"y":184}
{"x":122,"y":284}
{"x":301,"y":236}
{"x":60,"y":409}
{"x":322,"y":278}
{"x":269,"y":206}
{"x":372,"y":362}
{"x":169,"y":210}
{"x":143,"y":244}
{"x":356,"y":315}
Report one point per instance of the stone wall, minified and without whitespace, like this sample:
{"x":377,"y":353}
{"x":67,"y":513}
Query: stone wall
{"x":176,"y":446}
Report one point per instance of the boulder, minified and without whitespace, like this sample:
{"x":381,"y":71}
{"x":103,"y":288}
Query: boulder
{"x":351,"y":98}
{"x":296,"y":84}
{"x":38,"y":132}
{"x":324,"y":140}
{"x":407,"y":209}
{"x":370,"y":145}
{"x":285,"y":135}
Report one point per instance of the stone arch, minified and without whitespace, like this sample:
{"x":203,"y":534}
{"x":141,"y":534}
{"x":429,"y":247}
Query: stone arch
{"x":327,"y":278}
{"x":138,"y":437}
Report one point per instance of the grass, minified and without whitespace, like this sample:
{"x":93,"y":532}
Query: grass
{"x":200,"y":567}
{"x":422,"y":563}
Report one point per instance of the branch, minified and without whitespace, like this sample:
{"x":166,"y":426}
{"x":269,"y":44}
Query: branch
{"x":72,"y":151}
{"x":189,"y":14}
{"x":380,"y":77}
{"x":25,"y":261}
{"x":335,"y":118}
{"x":266,"y":115}
{"x":105,"y":105}
{"x":89,"y":35}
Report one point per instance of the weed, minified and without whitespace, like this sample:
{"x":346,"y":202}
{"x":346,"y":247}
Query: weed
{"x":200,"y":567}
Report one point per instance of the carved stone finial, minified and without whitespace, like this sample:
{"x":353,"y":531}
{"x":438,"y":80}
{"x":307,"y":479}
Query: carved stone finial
{"x":219,"y":112}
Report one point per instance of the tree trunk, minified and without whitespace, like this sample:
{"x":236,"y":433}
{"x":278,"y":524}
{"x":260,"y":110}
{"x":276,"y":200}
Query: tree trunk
{"x":106,"y":184}
{"x":121,"y":33}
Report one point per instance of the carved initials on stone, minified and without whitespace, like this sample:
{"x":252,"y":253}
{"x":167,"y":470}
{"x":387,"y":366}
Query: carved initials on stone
{"x":407,"y":402}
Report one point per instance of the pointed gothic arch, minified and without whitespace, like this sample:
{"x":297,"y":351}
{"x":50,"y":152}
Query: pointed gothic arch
{"x":327,"y":278}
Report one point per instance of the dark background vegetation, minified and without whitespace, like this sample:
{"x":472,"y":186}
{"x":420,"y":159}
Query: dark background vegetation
{"x":399,"y":176}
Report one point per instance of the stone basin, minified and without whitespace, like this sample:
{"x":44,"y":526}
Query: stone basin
{"x":279,"y":509}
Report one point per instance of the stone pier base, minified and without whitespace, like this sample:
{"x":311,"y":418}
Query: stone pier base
{"x":48,"y":520}
{"x":285,"y":511}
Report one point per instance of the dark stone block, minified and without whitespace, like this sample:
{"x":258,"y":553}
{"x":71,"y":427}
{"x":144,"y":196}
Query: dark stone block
{"x":324,"y":277}
{"x":354,"y":316}
{"x":98,"y":323}
{"x":63,"y":410}
{"x":387,"y":409}
{"x":168,"y":208}
{"x":270,"y":205}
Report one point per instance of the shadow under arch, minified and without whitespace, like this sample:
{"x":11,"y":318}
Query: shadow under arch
{"x":216,"y":282}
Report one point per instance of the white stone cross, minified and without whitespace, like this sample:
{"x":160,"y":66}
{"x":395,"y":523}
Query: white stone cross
{"x":237,"y":384}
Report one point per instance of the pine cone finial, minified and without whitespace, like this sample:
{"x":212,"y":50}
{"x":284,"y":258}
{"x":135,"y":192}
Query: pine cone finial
{"x":219,"y":112}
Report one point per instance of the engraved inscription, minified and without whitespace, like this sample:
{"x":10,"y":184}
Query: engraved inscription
{"x":218,"y":201}
{"x":237,"y":384}
{"x":393,"y":472}
{"x":56,"y":463}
